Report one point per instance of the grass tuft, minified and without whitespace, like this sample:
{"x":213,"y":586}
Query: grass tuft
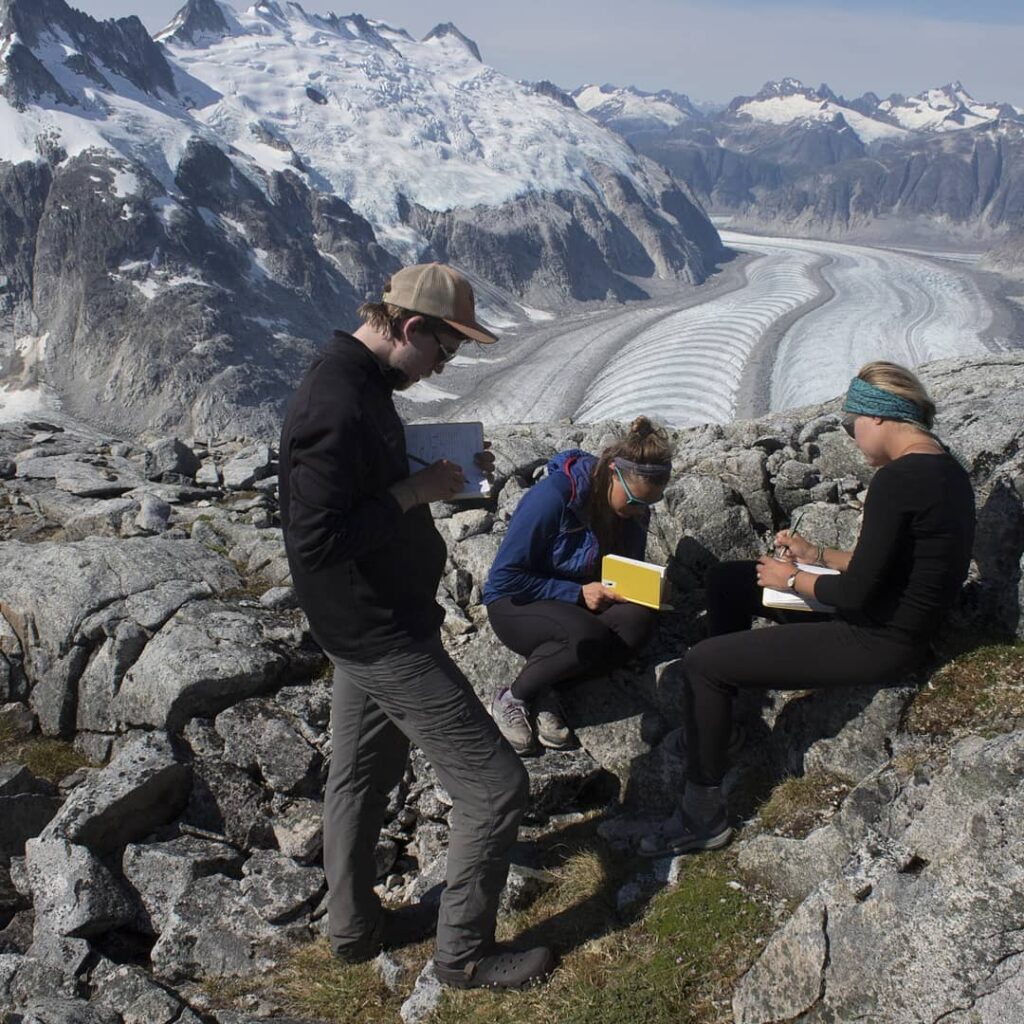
{"x":797,"y":806}
{"x":44,"y":756}
{"x":676,"y":964}
{"x":981,"y":692}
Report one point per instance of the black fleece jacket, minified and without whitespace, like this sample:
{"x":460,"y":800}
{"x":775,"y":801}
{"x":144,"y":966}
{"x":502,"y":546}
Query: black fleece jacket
{"x":365,"y":573}
{"x":914,"y":547}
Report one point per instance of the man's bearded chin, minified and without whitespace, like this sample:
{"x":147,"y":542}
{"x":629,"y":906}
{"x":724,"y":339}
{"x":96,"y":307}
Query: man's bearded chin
{"x":397,"y":379}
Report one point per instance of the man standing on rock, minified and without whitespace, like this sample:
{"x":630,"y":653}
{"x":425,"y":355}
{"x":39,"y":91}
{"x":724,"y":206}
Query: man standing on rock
{"x":366,"y":560}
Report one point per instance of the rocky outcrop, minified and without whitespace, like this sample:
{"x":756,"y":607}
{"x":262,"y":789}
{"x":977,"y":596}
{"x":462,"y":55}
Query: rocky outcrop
{"x":174,"y":659}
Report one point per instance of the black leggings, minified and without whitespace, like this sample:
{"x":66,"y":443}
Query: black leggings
{"x":805,"y":653}
{"x":562,"y":641}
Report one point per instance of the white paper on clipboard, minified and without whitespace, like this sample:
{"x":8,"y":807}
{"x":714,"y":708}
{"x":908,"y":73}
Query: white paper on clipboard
{"x":456,"y":442}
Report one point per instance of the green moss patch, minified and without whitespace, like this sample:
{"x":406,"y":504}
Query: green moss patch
{"x":981,"y":691}
{"x":675,"y":964}
{"x":44,"y":756}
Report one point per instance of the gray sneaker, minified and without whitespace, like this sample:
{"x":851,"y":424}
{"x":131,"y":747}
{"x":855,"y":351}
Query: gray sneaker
{"x":683,"y":834}
{"x":548,"y":718}
{"x":513,"y":720}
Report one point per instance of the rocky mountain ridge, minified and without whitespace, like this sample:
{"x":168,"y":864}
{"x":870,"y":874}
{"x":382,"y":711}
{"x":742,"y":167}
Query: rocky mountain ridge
{"x":940,"y":167}
{"x":184,"y":222}
{"x":174,"y":649}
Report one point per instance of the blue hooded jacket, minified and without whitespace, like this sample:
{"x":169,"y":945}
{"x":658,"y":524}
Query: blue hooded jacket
{"x":549,"y":551}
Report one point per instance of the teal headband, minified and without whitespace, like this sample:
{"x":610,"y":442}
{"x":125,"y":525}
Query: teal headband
{"x":865,"y":399}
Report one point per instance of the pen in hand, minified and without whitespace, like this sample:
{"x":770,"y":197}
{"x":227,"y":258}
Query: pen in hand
{"x":785,"y":547}
{"x":417,"y":459}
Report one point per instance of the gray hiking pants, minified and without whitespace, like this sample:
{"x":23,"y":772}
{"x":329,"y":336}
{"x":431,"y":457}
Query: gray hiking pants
{"x":418,"y":694}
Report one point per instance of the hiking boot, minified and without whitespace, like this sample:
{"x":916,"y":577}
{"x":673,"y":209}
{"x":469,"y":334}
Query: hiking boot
{"x":683,"y":834}
{"x":500,"y":969}
{"x":552,"y":732}
{"x":403,"y":926}
{"x":513,"y":719}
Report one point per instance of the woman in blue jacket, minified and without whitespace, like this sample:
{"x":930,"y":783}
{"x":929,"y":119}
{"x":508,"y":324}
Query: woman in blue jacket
{"x":544,"y":595}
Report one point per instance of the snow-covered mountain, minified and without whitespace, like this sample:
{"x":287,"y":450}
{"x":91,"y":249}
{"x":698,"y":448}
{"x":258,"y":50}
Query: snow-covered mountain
{"x":790,"y":101}
{"x":797,"y":159}
{"x":252,"y":176}
{"x":947,"y":109}
{"x":630,"y":110}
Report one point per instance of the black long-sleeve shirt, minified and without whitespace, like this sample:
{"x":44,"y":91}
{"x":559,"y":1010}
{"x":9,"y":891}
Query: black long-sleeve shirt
{"x":914,"y":547}
{"x":365,"y":573}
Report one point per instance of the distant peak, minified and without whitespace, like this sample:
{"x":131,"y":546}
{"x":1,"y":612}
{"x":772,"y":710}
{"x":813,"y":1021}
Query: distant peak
{"x":196,"y":21}
{"x":450,"y":30}
{"x":784,"y":87}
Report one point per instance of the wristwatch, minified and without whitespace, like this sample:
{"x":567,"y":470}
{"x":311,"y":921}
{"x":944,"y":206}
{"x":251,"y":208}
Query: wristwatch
{"x":791,"y":582}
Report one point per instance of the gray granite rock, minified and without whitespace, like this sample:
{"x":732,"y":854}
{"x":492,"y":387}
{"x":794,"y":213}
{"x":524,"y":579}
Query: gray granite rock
{"x":170,"y":456}
{"x":279,"y":889}
{"x":88,"y":476}
{"x":424,"y":998}
{"x":131,"y":993}
{"x":298,"y":829}
{"x":228,"y":659}
{"x":65,"y":1011}
{"x":259,"y":736}
{"x":248,"y":466}
{"x":787,"y":980}
{"x":145,"y":785}
{"x":161,"y":872}
{"x":523,"y":888}
{"x":73,"y":893}
{"x":559,"y":778}
{"x":103,"y":580}
{"x":212,"y":931}
{"x":226,"y":801}
{"x":153,"y":515}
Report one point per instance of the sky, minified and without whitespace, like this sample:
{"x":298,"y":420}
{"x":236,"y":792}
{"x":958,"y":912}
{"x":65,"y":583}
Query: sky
{"x":712,"y":50}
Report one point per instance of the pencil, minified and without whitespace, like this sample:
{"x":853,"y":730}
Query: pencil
{"x":417,"y":459}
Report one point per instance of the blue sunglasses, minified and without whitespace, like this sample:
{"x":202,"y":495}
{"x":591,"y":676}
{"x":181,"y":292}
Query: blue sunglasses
{"x":631,"y":498}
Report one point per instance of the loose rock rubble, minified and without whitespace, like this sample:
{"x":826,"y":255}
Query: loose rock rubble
{"x":146,"y":614}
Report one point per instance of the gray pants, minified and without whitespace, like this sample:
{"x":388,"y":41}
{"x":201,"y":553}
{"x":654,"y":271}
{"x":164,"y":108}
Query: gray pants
{"x":417,"y":693}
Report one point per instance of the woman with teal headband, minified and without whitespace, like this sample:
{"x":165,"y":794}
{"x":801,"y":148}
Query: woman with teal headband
{"x":890,"y":595}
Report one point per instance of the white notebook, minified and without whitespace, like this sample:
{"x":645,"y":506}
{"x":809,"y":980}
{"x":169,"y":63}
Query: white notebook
{"x":790,"y":600}
{"x":425,"y":443}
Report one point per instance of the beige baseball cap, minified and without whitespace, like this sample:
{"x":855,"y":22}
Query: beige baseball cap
{"x":439,"y":291}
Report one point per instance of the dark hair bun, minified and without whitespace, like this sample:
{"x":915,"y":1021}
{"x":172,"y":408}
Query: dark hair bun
{"x":641,"y":427}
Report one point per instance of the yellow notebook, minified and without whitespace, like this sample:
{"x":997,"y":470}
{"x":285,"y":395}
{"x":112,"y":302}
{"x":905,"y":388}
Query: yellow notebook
{"x":640,"y":582}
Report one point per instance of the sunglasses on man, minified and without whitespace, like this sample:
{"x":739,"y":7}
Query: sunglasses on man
{"x":446,"y":353}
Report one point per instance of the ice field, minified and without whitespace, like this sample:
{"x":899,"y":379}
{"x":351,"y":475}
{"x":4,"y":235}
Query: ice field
{"x":809,"y":314}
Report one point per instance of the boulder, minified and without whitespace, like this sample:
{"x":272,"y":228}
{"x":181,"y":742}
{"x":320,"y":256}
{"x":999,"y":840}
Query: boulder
{"x":248,"y":466}
{"x":212,"y":931}
{"x":227,"y":802}
{"x":161,"y":872}
{"x":153,"y":514}
{"x":130,"y":992}
{"x":103,"y":581}
{"x":259,"y":736}
{"x":73,"y":893}
{"x":206,"y":657}
{"x":145,"y":785}
{"x":66,"y":1011}
{"x":279,"y":889}
{"x":171,"y":456}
